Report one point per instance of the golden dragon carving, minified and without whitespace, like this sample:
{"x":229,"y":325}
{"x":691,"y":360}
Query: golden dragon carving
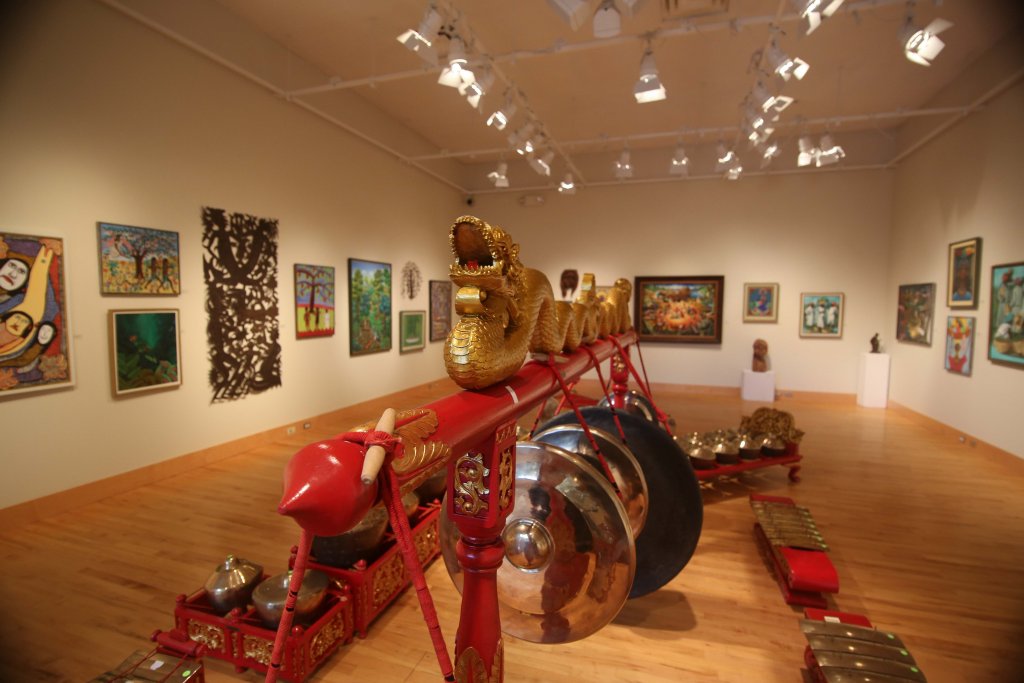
{"x":508,"y":310}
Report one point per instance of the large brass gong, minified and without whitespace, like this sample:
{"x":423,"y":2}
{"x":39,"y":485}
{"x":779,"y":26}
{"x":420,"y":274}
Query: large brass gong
{"x":569,"y":551}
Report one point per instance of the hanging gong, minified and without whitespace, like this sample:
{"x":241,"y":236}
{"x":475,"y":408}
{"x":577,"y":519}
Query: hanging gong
{"x":675,"y":512}
{"x":635,"y":403}
{"x":625,"y":469}
{"x":569,"y":553}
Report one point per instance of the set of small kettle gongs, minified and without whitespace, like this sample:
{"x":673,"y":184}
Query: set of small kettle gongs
{"x":578,"y":544}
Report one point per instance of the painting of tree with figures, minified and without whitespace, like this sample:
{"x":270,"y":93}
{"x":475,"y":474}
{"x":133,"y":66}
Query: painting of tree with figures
{"x":369,"y":301}
{"x":138,"y":261}
{"x":314,"y":301}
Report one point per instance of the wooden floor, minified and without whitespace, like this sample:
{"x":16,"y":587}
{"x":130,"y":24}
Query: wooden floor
{"x":927,"y":535}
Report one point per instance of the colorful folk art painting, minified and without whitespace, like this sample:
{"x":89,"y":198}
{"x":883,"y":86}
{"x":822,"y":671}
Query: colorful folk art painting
{"x":369,"y":301}
{"x":240,"y":270}
{"x":411,"y":328}
{"x":34,"y":340}
{"x":314,"y":301}
{"x":440,"y":309}
{"x":1006,"y":326}
{"x":914,"y":314}
{"x":964,"y":274}
{"x":821,"y":314}
{"x":138,"y":260}
{"x":959,"y":344}
{"x":760,"y":302}
{"x":681,"y":309}
{"x":145,"y":351}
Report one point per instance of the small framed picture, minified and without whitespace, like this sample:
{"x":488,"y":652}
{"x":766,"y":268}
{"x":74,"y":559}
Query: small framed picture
{"x":1006,"y":323}
{"x":411,"y":331}
{"x":821,"y":314}
{"x":964,"y":273}
{"x":138,"y":261}
{"x":760,"y":302}
{"x":681,"y":310}
{"x":145,"y":351}
{"x":314,"y":301}
{"x":369,"y":307}
{"x":440,"y":309}
{"x":915,"y":312}
{"x":959,"y":344}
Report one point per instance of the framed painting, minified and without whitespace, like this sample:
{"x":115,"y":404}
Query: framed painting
{"x":145,"y":351}
{"x":138,"y":261}
{"x":411,"y":331}
{"x":964,"y":273}
{"x":959,"y":345}
{"x":440,"y":309}
{"x":1006,"y":326}
{"x":821,"y":314}
{"x":680,"y":309}
{"x":760,"y":302}
{"x":914,"y":314}
{"x":314,"y":301}
{"x":369,"y":307}
{"x":35,"y":346}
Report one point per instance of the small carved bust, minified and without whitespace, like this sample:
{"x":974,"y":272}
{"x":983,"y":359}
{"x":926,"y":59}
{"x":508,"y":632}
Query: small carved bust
{"x":874,"y":343}
{"x":760,"y":363}
{"x":570,"y":278}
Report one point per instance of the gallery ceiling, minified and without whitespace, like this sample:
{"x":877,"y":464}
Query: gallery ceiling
{"x":341,"y":59}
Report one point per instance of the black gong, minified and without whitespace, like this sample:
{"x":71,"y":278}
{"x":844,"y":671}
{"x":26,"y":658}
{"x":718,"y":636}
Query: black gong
{"x":675,"y":513}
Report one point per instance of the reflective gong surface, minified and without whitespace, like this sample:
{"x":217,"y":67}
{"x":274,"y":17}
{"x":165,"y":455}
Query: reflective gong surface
{"x":635,"y":403}
{"x":621,"y":461}
{"x":569,"y":553}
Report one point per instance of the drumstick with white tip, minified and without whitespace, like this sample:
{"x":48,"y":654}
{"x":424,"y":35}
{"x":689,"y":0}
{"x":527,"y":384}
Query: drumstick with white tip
{"x":374,"y":458}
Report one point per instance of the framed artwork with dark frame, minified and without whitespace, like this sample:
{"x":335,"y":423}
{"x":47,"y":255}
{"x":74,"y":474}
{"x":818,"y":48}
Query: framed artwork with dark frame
{"x":1006,"y":322}
{"x":411,"y":331}
{"x":682,"y":310}
{"x":964,"y":273}
{"x":440,"y":309}
{"x":959,"y":345}
{"x":138,"y":261}
{"x":314,"y":301}
{"x":821,"y":314}
{"x":760,"y":302}
{"x":145,"y":351}
{"x":915,"y":312}
{"x":369,"y":307}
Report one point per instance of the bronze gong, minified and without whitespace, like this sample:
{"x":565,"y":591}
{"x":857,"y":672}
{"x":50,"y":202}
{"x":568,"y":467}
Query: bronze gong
{"x":675,"y":512}
{"x":569,"y":552}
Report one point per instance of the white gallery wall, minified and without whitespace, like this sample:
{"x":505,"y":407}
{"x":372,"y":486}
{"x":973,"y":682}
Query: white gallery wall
{"x":102,"y":119}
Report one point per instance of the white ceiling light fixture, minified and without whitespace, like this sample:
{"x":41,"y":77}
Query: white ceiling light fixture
{"x":728,"y":163}
{"x":680,"y":163}
{"x":542,"y":164}
{"x":568,"y":185}
{"x":522,"y":139}
{"x":808,"y":153}
{"x":767,"y":101}
{"x":475,"y":91}
{"x":829,"y":152}
{"x":574,"y":12}
{"x":814,"y":10}
{"x":648,"y":87}
{"x":623,"y":167}
{"x":783,"y":65}
{"x":421,"y":40}
{"x":501,"y":116}
{"x":922,"y":45}
{"x":607,"y":20}
{"x":457,"y":74}
{"x":769,"y":152}
{"x":499,"y":176}
{"x":735,"y":170}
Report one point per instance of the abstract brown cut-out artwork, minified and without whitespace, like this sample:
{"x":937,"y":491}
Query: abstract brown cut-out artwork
{"x":240,"y":270}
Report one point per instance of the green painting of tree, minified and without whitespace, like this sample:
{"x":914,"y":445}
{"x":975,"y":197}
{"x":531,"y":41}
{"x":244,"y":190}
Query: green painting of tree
{"x":369,"y":300}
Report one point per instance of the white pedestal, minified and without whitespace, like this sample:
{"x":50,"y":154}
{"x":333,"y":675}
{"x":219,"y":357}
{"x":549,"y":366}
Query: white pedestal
{"x":873,"y":380}
{"x":758,"y":386}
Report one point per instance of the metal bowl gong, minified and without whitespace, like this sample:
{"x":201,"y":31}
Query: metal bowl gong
{"x":675,"y":512}
{"x":635,"y":403}
{"x":569,"y":553}
{"x":626,"y":472}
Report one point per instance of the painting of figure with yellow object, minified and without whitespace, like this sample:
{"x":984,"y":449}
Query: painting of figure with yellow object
{"x":34,"y":342}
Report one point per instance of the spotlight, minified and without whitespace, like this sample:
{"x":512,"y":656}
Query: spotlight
{"x":572,"y":11}
{"x":500,"y":118}
{"x":522,"y":140}
{"x":766,"y":101}
{"x":814,"y":10}
{"x":623,"y":169}
{"x":785,"y":66}
{"x":735,"y":170}
{"x":567,"y":186}
{"x":499,"y":176}
{"x":680,"y":163}
{"x":829,"y":152}
{"x":542,"y":164}
{"x":477,"y":89}
{"x":769,"y":152}
{"x":607,"y":20}
{"x":457,"y":74}
{"x":648,"y":88}
{"x":728,"y":163}
{"x":808,"y":152}
{"x":421,"y":40}
{"x":922,"y":45}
